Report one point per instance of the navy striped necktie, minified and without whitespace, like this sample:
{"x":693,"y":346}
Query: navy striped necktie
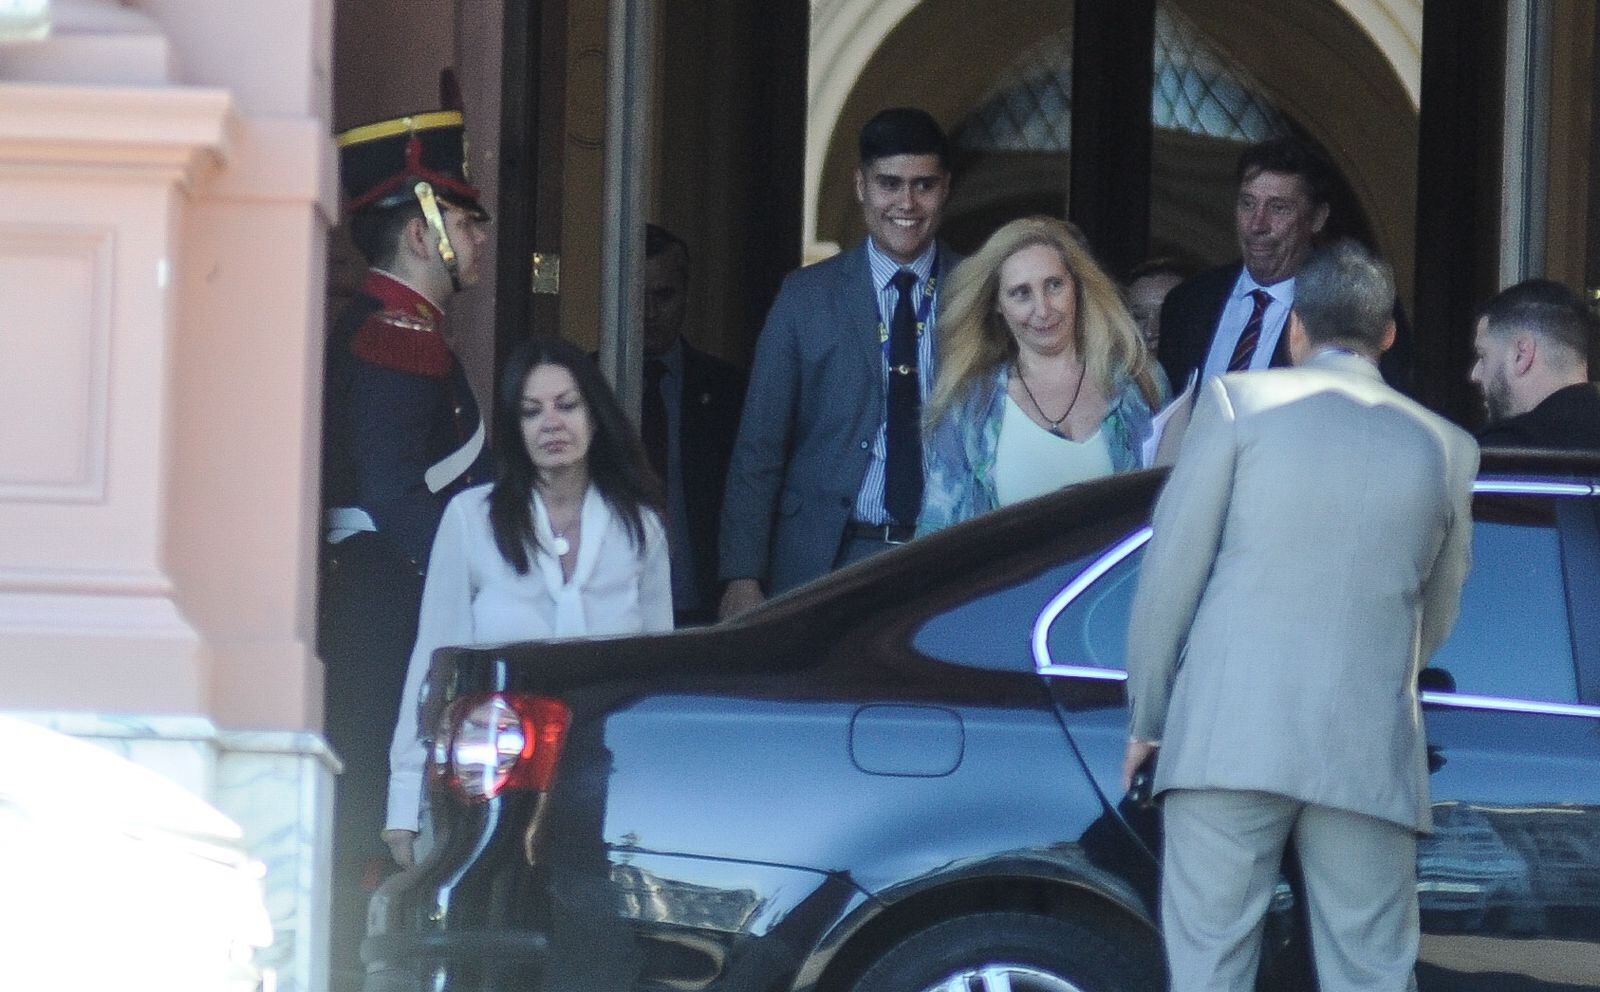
{"x":1245,"y":350}
{"x":902,"y":484}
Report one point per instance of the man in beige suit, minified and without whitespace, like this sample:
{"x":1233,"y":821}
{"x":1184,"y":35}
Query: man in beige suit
{"x":1308,"y":556}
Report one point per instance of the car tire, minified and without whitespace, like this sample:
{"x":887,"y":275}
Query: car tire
{"x":1034,"y":954}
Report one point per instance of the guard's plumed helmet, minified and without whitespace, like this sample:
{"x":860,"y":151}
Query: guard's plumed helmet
{"x":381,"y":163}
{"x":420,"y":158}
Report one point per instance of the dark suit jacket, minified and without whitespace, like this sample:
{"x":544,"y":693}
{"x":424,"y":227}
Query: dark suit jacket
{"x":1567,"y":418}
{"x":1189,"y":321}
{"x":815,"y":403}
{"x":708,"y":422}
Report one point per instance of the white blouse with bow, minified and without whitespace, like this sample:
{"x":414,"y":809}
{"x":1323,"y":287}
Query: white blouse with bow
{"x":473,"y":596}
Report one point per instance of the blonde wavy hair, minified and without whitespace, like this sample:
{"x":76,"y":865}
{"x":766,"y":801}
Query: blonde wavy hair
{"x":974,"y":340}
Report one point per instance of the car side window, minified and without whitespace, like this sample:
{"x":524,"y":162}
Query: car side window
{"x":1513,"y":638}
{"x":994,"y":630}
{"x":1092,"y":631}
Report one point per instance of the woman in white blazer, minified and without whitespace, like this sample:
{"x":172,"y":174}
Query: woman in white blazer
{"x":567,"y":542}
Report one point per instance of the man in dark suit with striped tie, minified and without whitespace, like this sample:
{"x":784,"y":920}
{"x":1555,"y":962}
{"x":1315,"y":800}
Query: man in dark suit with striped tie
{"x":1233,"y":318}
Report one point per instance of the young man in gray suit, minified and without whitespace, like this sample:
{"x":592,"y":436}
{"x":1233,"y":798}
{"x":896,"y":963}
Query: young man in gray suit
{"x":827,"y":468}
{"x":1308,"y":556}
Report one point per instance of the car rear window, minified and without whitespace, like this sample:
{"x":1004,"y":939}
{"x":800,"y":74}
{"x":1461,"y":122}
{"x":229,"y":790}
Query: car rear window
{"x":1092,"y":632}
{"x":995,"y":630}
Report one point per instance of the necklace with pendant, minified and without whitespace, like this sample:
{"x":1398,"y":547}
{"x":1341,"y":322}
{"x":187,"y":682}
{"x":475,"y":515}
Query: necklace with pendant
{"x":559,"y":542}
{"x":1054,"y":422}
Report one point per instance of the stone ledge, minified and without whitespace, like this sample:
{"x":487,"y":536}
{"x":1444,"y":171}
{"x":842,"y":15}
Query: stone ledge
{"x":279,"y":159}
{"x":185,"y":729}
{"x":175,"y":130}
{"x":275,"y":785}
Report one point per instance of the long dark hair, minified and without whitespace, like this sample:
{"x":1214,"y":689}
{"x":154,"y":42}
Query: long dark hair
{"x":617,"y":463}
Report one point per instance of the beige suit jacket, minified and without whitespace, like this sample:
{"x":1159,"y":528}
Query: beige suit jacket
{"x":1308,"y":557}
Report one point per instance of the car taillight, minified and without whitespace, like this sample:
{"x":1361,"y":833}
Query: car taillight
{"x":502,"y":741}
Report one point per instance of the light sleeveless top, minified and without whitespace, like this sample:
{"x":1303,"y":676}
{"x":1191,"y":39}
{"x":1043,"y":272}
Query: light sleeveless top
{"x":1030,"y":461}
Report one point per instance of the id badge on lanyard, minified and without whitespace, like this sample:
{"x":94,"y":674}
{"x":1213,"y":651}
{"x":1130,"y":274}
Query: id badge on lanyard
{"x":923,"y":309}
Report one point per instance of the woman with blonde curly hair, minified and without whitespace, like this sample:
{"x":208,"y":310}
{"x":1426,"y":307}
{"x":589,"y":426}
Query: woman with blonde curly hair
{"x":1043,"y":378}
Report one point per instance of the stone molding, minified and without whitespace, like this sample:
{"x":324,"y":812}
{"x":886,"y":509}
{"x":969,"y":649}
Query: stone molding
{"x":174,"y":132}
{"x":98,"y":177}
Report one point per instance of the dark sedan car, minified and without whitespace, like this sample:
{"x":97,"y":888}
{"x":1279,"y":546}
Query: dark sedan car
{"x":905,"y":777}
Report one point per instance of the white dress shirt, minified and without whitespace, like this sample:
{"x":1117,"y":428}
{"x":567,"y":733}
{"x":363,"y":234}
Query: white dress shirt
{"x":1237,"y":313}
{"x":473,"y":596}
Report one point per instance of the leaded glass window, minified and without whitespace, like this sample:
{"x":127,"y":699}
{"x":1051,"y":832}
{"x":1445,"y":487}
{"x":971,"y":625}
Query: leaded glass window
{"x":1195,"y":90}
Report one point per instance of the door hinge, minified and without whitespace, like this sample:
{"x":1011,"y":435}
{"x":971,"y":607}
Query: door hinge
{"x":546,"y":273}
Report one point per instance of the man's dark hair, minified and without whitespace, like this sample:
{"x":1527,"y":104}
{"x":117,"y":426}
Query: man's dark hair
{"x":658,"y":239}
{"x":1345,"y":294}
{"x":376,"y":233}
{"x":903,"y":131}
{"x":1292,"y":156}
{"x":1544,"y":307}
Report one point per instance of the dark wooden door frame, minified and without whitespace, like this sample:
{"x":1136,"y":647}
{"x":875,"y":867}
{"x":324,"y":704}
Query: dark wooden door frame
{"x":1591,"y":276}
{"x":532,"y":120}
{"x":1113,"y":58}
{"x":1458,"y":194}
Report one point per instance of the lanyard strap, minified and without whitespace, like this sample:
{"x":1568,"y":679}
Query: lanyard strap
{"x":923,"y":308}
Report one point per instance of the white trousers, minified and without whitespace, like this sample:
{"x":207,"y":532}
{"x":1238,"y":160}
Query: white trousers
{"x":1220,"y":863}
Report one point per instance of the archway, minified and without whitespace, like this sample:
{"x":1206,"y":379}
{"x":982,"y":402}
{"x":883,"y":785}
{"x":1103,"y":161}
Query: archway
{"x":1340,"y":73}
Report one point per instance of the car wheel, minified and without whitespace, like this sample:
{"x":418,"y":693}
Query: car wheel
{"x":1006,"y":952}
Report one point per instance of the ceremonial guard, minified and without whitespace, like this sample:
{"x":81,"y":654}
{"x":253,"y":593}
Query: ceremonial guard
{"x":401,"y":435}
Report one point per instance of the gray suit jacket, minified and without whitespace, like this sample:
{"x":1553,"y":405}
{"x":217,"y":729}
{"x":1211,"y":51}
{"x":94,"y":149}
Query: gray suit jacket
{"x":1308,"y":557}
{"x":815,"y":402}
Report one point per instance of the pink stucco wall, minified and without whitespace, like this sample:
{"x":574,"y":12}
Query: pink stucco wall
{"x":172,"y":181}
